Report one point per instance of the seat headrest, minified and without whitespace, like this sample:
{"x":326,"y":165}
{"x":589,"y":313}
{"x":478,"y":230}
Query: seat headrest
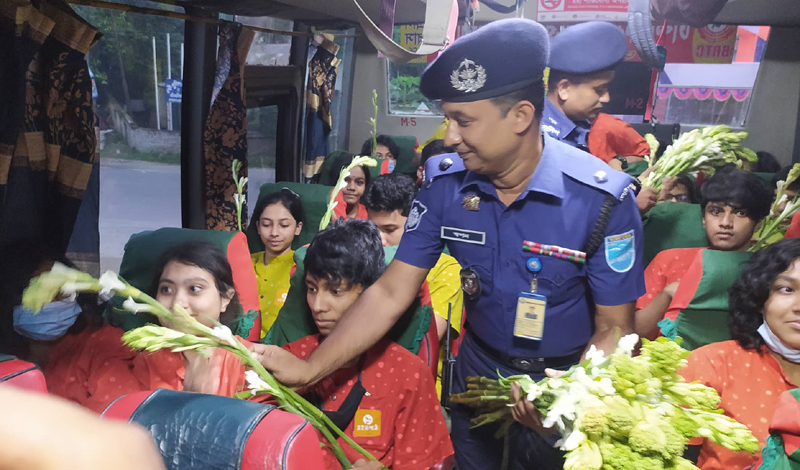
{"x":207,"y":432}
{"x":145,"y":248}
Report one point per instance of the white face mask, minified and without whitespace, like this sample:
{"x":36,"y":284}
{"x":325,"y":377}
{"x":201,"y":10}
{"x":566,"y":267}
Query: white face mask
{"x":776,"y":345}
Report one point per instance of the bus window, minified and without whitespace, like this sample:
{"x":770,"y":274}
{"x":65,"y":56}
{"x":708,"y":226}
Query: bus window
{"x":267,"y":48}
{"x":140,"y":143}
{"x":403,"y":79}
{"x":262,"y":130}
{"x":713,"y":93}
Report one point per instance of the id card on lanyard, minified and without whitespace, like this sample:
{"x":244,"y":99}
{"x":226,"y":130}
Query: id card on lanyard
{"x":531,"y":307}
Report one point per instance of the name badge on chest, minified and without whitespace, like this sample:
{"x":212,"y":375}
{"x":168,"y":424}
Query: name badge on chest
{"x":531,"y":307}
{"x":463,"y":235}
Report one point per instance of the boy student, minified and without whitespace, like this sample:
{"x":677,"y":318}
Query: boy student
{"x":733,"y":202}
{"x":385,"y":399}
{"x":388,"y":202}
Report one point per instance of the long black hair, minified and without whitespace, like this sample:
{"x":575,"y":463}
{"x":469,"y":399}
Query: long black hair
{"x":209,"y":258}
{"x":750,"y":292}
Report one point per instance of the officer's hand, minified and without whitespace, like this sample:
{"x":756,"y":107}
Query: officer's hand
{"x":672,"y":288}
{"x":646,"y":199}
{"x":647,"y":172}
{"x":525,"y":414}
{"x":285,"y":366}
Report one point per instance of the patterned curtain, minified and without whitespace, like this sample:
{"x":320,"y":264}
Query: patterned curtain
{"x":47,"y":134}
{"x":322,"y":72}
{"x":225,"y":136}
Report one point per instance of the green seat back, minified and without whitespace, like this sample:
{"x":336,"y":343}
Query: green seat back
{"x":765,"y":177}
{"x":143,"y":251}
{"x":315,"y":202}
{"x":705,"y":319}
{"x":325,"y":178}
{"x":405,"y":163}
{"x":671,"y":225}
{"x":294,"y":320}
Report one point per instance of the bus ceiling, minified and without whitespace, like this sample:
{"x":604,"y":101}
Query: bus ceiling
{"x":326,"y":13}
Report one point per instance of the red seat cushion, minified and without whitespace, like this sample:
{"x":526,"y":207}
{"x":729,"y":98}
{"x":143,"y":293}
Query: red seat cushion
{"x":21,"y":374}
{"x":272,"y":438}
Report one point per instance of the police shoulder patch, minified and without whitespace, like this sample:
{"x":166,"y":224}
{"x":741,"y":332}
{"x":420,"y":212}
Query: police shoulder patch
{"x":418,"y":209}
{"x":621,"y":251}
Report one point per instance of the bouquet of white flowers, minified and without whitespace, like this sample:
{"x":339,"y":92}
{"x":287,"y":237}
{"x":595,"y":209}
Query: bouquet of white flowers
{"x":618,"y":412}
{"x":703,"y":149}
{"x":781,"y":212}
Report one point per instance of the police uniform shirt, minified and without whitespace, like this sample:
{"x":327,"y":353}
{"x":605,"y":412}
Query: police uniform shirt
{"x":559,"y":207}
{"x":562,"y":128}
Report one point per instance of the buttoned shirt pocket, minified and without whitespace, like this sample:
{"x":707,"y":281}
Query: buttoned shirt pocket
{"x":561,"y":281}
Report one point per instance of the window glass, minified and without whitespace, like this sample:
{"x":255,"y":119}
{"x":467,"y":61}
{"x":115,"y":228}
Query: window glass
{"x":403,"y":79}
{"x":262,"y":131}
{"x":140,"y":141}
{"x":268,"y":48}
{"x":340,"y":111}
{"x":713,"y":93}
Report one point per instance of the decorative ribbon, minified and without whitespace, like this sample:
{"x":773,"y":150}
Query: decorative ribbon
{"x":719,"y":94}
{"x":554,"y":251}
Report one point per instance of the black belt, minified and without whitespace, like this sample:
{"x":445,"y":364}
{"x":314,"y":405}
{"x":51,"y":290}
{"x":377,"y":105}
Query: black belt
{"x":529,"y":365}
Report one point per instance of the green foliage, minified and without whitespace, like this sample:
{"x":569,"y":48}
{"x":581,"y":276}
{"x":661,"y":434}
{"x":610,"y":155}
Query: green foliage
{"x":404,"y":91}
{"x":129,"y":36}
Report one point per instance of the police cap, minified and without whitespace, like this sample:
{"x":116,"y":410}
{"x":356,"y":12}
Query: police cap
{"x":500,"y":58}
{"x":588,"y":48}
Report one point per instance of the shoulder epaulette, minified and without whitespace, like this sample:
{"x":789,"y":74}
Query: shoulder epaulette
{"x":440,"y":165}
{"x":591,"y":171}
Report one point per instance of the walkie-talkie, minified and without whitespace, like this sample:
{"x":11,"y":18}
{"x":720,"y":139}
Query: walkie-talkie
{"x":448,"y":363}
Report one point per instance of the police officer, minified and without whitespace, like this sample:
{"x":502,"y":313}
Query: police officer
{"x":583,"y":59}
{"x":549,"y":238}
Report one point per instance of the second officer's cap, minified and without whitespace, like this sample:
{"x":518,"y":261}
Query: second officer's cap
{"x":500,"y":58}
{"x":588,"y":48}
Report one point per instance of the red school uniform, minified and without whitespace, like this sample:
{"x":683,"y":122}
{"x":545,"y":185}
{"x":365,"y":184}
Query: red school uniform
{"x":749,"y":383}
{"x":667,"y":267}
{"x":99,"y":368}
{"x":610,"y":137}
{"x":399,"y":420}
{"x":341,"y":209}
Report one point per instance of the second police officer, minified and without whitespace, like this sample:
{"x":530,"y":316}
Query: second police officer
{"x":549,"y":237}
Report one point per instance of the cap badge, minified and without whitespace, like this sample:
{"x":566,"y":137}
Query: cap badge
{"x":469,"y":77}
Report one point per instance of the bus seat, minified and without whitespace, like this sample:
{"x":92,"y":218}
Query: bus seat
{"x":405,"y":162}
{"x":429,"y":346}
{"x":21,"y":374}
{"x":294,"y":319}
{"x":699,"y":311}
{"x":666,"y":133}
{"x":198,"y":431}
{"x":315,"y":199}
{"x":325,"y":173}
{"x":143,"y":251}
{"x":672,"y":225}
